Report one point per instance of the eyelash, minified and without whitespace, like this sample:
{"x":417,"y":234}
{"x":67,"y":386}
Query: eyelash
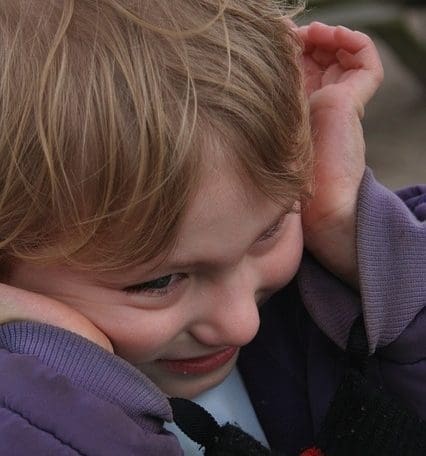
{"x":273,"y":231}
{"x":149,"y":288}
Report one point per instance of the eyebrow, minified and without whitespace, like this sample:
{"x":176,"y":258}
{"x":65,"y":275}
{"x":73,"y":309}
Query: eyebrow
{"x":186,"y":264}
{"x":272,"y":227}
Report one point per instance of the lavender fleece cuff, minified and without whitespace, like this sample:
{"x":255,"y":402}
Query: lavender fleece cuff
{"x":391,"y":254}
{"x":391,"y":246}
{"x":90,"y":367}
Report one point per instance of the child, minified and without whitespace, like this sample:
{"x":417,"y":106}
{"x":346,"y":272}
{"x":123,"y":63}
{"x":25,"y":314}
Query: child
{"x":155,"y":156}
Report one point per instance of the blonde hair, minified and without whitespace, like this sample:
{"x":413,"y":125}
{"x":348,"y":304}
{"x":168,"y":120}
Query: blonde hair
{"x":105,"y":107}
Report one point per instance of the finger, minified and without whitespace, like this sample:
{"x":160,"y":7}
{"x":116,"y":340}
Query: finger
{"x":323,"y":57}
{"x":332,"y":39}
{"x":333,"y":74}
{"x":302,"y":32}
{"x":312,"y":74}
{"x":364,"y":77}
{"x":349,"y":61}
{"x":354,"y":51}
{"x":362,"y":54}
{"x":351,"y":40}
{"x":322,"y":36}
{"x":363,"y":49}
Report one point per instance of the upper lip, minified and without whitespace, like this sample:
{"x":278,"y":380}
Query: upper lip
{"x":259,"y":303}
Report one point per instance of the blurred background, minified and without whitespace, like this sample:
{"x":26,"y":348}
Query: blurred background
{"x":395,"y":121}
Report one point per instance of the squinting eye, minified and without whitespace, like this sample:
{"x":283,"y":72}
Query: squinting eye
{"x":158,"y":287}
{"x":273,"y":230}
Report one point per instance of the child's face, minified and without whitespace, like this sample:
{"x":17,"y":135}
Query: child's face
{"x":234,"y":249}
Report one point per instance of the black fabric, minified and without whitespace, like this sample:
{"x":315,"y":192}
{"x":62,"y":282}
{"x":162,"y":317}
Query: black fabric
{"x":363,"y":419}
{"x":202,"y":428}
{"x":195,"y":421}
{"x":357,"y":349}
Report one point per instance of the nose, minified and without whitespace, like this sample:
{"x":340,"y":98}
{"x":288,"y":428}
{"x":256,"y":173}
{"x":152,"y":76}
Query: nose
{"x":226,"y":319}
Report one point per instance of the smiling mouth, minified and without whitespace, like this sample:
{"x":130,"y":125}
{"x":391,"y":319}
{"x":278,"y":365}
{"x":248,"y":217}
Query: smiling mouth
{"x":201,"y":365}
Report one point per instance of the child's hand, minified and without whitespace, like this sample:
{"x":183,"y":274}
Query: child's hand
{"x":342,"y":72}
{"x":17,"y":304}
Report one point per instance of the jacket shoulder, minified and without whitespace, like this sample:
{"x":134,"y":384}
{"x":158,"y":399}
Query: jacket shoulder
{"x":44,"y":412}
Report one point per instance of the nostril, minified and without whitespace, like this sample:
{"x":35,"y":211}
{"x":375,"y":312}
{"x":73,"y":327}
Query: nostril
{"x":234,"y":324}
{"x":264,"y":297}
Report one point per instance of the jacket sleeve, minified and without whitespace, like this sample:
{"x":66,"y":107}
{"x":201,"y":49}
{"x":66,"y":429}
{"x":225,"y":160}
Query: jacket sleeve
{"x":62,"y":395}
{"x":391,"y":246}
{"x":403,"y":361}
{"x":391,"y":254}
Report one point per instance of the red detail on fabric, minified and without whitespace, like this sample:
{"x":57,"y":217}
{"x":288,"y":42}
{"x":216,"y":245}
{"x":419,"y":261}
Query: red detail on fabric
{"x":312,"y":452}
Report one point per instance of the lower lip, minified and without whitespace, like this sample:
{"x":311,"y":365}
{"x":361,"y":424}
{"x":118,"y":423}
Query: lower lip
{"x":203,"y":365}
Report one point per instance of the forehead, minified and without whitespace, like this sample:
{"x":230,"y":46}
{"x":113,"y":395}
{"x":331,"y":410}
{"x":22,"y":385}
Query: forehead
{"x":222,"y":194}
{"x":225,"y":215}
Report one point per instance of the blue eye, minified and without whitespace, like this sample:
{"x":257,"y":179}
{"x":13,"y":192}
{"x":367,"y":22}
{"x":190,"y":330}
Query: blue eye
{"x":159,"y":287}
{"x":158,"y":284}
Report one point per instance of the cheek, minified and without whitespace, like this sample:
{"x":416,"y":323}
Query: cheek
{"x":284,"y":261}
{"x":139,"y":335}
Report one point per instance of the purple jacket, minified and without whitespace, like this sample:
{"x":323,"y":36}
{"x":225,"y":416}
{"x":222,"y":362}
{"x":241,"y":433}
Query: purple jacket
{"x":62,"y":395}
